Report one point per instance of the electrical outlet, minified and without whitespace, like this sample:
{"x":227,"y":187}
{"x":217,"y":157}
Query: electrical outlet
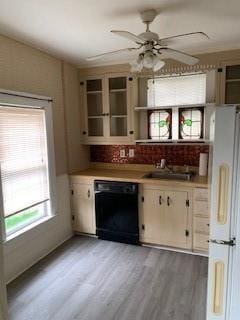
{"x":131,"y":153}
{"x":122,"y":153}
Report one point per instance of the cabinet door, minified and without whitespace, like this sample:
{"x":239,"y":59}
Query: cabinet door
{"x":94,"y":110}
{"x":120,"y":106}
{"x":174,"y":220}
{"x":229,"y":87}
{"x":152,"y":210}
{"x":83,"y":208}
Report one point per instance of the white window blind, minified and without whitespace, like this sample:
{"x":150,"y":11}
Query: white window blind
{"x":178,"y":90}
{"x":23,"y":158}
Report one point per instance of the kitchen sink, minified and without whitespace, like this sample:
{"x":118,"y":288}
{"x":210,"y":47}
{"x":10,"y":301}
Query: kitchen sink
{"x":168,"y":175}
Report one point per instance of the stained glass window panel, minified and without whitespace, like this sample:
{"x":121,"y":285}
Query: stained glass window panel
{"x":160,"y":124}
{"x":191,"y":123}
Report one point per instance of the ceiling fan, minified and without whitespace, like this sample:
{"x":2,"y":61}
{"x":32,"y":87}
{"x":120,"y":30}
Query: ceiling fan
{"x":154,"y":49}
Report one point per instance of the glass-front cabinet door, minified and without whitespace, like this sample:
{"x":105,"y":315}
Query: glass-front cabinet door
{"x":107,"y":108}
{"x":94,"y":109}
{"x":121,"y":101}
{"x":229,"y":92}
{"x":118,"y":106}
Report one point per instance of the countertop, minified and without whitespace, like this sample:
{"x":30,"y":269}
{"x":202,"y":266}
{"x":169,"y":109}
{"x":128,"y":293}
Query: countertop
{"x":135,"y":176}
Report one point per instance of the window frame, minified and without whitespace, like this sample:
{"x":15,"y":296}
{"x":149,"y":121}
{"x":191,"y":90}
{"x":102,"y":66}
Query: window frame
{"x":175,"y":123}
{"x":26,"y":100}
{"x":149,"y":113}
{"x":202,"y":110}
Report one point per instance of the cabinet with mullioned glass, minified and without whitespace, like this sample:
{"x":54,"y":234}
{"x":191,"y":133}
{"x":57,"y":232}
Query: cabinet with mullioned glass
{"x":108,"y":109}
{"x":229,"y":89}
{"x":173,"y":109}
{"x":179,"y":124}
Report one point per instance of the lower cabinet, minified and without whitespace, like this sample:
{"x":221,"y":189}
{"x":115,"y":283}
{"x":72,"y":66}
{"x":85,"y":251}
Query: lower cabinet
{"x":201,"y":220}
{"x":166,"y":217}
{"x":174,"y":216}
{"x":83,"y":212}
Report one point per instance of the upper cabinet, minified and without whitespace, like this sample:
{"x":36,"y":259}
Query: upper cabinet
{"x":109,"y":103}
{"x":229,"y":88}
{"x":175,"y":109}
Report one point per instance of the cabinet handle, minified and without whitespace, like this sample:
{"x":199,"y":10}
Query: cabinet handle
{"x":160,"y":200}
{"x":106,"y":114}
{"x":168,"y":201}
{"x":88,"y":193}
{"x":208,"y":224}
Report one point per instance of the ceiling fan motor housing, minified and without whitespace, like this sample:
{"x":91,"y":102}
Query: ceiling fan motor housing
{"x":148,"y":16}
{"x":149,"y":36}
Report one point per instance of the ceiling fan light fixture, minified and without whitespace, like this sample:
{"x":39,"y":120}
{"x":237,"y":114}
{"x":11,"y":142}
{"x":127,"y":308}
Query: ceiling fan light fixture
{"x":158,"y":64}
{"x":147,"y":60}
{"x":137,"y":65}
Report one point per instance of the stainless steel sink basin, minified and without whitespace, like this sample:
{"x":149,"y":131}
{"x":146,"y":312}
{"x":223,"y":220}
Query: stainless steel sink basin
{"x":168,"y":175}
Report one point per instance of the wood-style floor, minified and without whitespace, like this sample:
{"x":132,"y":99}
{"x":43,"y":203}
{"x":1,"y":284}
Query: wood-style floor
{"x":91,"y":279}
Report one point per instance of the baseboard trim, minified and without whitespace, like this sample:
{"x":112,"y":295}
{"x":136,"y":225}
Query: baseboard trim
{"x":40,"y":258}
{"x":76,"y":233}
{"x":175,"y":250}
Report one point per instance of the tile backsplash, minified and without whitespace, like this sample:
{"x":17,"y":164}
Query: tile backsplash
{"x":178,"y":155}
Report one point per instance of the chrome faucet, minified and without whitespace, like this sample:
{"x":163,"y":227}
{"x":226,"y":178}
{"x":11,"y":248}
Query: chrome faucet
{"x":163,"y":165}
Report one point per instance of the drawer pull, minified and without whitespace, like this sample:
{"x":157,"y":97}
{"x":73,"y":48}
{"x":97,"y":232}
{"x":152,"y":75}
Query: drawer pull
{"x":160,"y":200}
{"x":168,"y":201}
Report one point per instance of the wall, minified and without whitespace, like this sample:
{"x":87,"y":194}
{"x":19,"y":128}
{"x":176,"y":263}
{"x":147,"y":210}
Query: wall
{"x":26,"y":69}
{"x":29,"y":70}
{"x":23,"y":251}
{"x":78,"y":154}
{"x":3,"y":296}
{"x":148,"y":154}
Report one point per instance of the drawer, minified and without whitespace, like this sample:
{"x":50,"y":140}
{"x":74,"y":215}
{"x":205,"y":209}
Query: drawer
{"x":201,"y":225}
{"x":83,"y":190}
{"x":200,"y":208}
{"x":201,"y":194}
{"x":200,"y":241}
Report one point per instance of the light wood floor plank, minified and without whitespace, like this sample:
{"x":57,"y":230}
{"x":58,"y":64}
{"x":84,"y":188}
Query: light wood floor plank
{"x":91,"y":279}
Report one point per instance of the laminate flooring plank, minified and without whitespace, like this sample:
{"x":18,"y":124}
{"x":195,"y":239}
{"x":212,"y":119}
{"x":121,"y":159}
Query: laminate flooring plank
{"x":91,"y":279}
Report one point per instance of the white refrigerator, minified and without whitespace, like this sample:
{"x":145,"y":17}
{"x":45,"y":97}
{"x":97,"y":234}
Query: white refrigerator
{"x":223,"y":300}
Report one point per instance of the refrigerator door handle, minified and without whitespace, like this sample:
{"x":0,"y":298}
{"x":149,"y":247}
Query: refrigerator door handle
{"x":230,"y":243}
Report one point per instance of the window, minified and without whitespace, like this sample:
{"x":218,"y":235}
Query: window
{"x":177,"y":90}
{"x":26,"y":195}
{"x":160,"y":124}
{"x":191,"y":123}
{"x":176,"y":107}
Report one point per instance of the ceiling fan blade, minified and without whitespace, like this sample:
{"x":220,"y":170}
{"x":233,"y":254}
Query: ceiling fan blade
{"x":183,"y":38}
{"x":129,"y":36}
{"x":178,"y":55}
{"x":111,"y":53}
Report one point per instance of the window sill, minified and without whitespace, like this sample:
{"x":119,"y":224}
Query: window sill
{"x":29,"y":227}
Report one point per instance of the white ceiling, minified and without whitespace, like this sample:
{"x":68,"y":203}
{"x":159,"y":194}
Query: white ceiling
{"x":76,"y":29}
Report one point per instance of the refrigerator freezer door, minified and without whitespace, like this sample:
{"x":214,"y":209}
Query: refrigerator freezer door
{"x":221,"y":211}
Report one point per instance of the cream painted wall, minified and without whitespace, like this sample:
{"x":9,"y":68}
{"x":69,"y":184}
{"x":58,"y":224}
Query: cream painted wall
{"x":78,"y":154}
{"x":23,"y":68}
{"x":3,"y":297}
{"x":23,"y":251}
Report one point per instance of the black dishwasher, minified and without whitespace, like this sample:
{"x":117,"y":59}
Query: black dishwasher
{"x":116,"y":205}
